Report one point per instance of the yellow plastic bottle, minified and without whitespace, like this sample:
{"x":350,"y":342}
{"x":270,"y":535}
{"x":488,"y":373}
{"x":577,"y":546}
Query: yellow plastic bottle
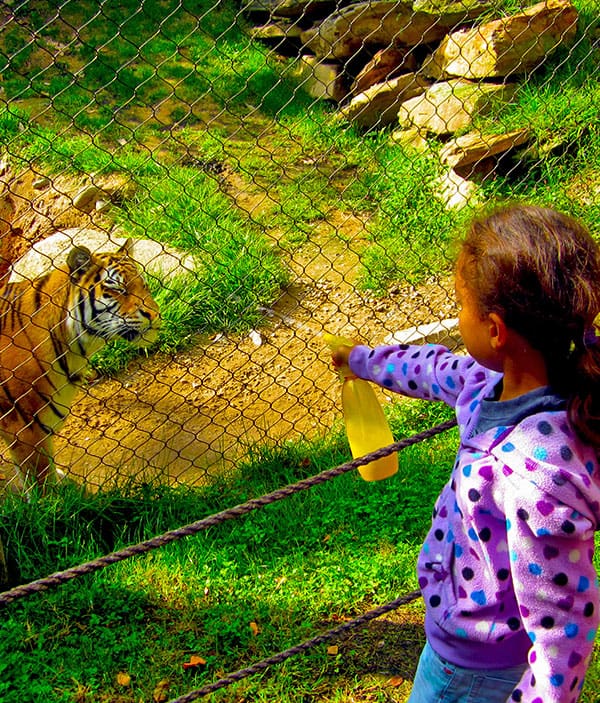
{"x":367,"y":428}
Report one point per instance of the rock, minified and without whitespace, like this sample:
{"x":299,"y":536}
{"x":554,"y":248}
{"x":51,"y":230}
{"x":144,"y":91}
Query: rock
{"x":455,"y":191}
{"x":378,"y":24}
{"x":386,"y":64}
{"x":506,"y":46}
{"x":153,"y":257}
{"x":255,"y":338}
{"x":450,"y":106}
{"x":288,"y":8}
{"x":584,"y":188}
{"x":104,"y":189}
{"x":445,"y":332}
{"x":379,"y":104}
{"x":277,"y":32}
{"x":411,"y":139}
{"x":85,"y":199}
{"x":320,"y":79}
{"x":473,"y":147}
{"x":41,"y":183}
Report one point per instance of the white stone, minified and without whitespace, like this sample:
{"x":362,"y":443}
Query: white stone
{"x":320,"y":79}
{"x":153,"y":257}
{"x":445,"y":332}
{"x":455,"y":191}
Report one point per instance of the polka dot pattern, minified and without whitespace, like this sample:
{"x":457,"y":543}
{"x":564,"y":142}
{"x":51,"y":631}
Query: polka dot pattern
{"x":506,"y":569}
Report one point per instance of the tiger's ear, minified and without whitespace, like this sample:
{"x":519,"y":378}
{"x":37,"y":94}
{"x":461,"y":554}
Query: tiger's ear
{"x":127,"y":248}
{"x":79,"y":260}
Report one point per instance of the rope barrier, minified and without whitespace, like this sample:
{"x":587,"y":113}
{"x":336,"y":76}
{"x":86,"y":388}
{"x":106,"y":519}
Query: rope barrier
{"x":298,"y":649}
{"x":89,"y":567}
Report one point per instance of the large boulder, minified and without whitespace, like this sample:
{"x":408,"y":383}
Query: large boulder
{"x":386,"y":64}
{"x":379,"y":24}
{"x":444,"y":332}
{"x":153,"y":257}
{"x":506,"y":46}
{"x":379,"y":104}
{"x":455,"y":191}
{"x":450,"y":106}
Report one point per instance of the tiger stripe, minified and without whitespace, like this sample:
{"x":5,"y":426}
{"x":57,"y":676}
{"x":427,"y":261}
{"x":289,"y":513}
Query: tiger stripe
{"x":49,"y":329}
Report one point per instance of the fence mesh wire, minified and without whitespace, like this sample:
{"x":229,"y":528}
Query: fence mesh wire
{"x":284,"y":167}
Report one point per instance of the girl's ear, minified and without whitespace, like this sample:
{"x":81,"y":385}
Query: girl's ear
{"x":498,"y":331}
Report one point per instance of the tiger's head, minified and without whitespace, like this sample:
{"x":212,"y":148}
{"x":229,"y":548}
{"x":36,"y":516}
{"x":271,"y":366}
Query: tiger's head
{"x":110,"y":299}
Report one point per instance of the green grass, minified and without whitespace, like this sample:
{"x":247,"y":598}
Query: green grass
{"x":236,"y":268}
{"x":234,"y":594}
{"x":413,"y":231}
{"x":279,"y":567}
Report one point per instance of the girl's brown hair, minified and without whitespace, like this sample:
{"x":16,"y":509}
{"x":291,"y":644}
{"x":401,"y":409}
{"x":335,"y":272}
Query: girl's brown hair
{"x":540,"y":271}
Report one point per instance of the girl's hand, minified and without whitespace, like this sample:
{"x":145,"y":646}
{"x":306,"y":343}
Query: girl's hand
{"x":340,"y":356}
{"x":340,"y":352}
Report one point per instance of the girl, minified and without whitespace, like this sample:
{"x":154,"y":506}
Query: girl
{"x":506,"y":569}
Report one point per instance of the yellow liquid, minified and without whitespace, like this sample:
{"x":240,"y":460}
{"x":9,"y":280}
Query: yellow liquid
{"x":367,"y":428}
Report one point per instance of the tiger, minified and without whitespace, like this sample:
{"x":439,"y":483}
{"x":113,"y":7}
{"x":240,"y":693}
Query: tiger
{"x":49,"y":329}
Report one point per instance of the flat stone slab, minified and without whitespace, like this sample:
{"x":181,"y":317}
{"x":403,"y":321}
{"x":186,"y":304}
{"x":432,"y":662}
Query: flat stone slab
{"x":379,"y":23}
{"x":450,"y":106}
{"x":444,"y":332}
{"x":475,"y":146}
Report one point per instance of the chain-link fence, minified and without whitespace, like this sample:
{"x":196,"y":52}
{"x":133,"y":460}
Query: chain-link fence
{"x":284,"y":168}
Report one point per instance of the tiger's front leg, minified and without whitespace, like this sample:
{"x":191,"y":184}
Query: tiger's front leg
{"x":31,"y":450}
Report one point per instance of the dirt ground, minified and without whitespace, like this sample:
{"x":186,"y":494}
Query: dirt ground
{"x":191,"y":415}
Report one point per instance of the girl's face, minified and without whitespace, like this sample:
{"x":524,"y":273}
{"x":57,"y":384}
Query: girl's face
{"x":475,"y":328}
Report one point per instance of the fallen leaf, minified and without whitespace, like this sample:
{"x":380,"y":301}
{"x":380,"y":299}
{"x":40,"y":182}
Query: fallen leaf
{"x":396,"y":681}
{"x":334,"y":649}
{"x":159,"y":695}
{"x":194,"y":661}
{"x":123,"y":678}
{"x":255,"y":629}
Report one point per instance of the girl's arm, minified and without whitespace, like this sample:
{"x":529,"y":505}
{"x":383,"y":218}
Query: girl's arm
{"x":429,"y":371}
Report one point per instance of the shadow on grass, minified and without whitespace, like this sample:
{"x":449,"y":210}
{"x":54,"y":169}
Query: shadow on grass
{"x":390,"y":646}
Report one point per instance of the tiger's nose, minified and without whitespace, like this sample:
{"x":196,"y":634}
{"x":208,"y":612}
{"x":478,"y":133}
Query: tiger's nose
{"x":151,"y":315}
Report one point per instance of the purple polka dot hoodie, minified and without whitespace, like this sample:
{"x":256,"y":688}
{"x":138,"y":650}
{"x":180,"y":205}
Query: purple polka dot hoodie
{"x":506,"y":569}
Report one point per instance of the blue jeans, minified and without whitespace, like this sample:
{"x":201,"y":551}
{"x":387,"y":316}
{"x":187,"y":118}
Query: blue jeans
{"x":438,"y":681}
